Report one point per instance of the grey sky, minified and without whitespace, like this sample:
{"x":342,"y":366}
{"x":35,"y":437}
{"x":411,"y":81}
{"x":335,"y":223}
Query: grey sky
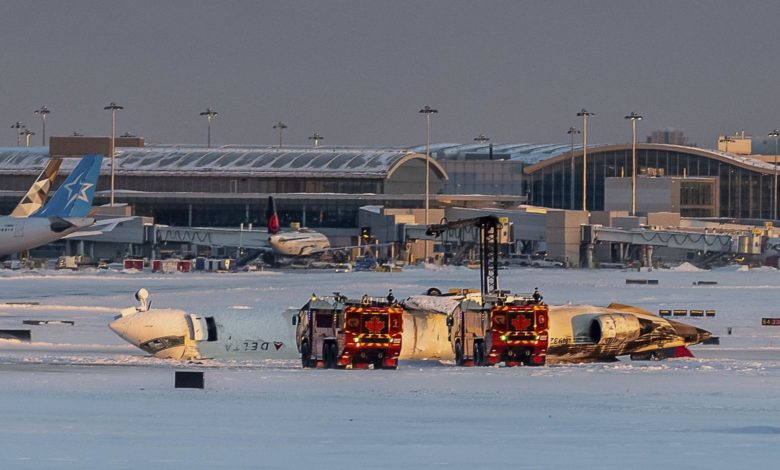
{"x":358,"y":71}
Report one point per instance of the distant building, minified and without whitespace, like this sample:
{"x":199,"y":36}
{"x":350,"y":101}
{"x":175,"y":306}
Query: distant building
{"x":690,"y":197}
{"x":668,"y":136}
{"x":739,"y":143}
{"x":764,"y":145}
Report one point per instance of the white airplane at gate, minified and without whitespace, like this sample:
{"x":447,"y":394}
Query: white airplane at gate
{"x":65,"y":213}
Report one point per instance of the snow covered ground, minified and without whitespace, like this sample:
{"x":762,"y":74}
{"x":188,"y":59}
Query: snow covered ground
{"x":80,"y":397}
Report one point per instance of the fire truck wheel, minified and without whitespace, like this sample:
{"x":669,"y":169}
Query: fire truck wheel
{"x":329,"y":355}
{"x":479,"y":354}
{"x":305,"y":354}
{"x":458,"y":353}
{"x":433,"y":291}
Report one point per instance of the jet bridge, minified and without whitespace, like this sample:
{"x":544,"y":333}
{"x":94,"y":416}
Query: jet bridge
{"x":705,"y":242}
{"x":211,"y":236}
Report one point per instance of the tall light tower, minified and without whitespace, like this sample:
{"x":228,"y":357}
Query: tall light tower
{"x":775,"y":133}
{"x":281,"y":126}
{"x":316,"y":138}
{"x":18,"y":126}
{"x":27,"y":133}
{"x":43,"y":111}
{"x":634,"y":117}
{"x":209,"y":113}
{"x":572,"y":132}
{"x":585,"y":115}
{"x":427,"y":110}
{"x":113,"y":107}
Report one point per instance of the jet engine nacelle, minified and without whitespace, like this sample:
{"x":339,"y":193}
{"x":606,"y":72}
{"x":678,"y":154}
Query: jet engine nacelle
{"x":613,"y":329}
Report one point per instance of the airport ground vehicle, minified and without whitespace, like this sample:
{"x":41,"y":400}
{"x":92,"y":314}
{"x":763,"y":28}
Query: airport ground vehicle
{"x":339,"y":332}
{"x":499,"y":327}
{"x":546,"y":263}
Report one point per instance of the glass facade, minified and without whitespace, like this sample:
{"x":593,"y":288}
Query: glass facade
{"x":744,"y":193}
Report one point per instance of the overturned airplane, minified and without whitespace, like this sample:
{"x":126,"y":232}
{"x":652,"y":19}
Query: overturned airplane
{"x":559,"y":334}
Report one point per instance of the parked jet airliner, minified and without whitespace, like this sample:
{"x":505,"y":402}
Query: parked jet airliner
{"x":65,"y":213}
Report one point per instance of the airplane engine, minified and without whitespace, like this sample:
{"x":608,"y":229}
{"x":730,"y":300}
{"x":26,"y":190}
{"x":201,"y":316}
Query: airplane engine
{"x":614,"y":329}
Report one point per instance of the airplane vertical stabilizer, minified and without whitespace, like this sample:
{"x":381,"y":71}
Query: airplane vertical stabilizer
{"x":74,"y":197}
{"x":39,"y":191}
{"x":273,"y":217}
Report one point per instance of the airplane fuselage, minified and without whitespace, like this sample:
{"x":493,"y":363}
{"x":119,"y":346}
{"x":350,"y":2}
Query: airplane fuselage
{"x":298,"y":243}
{"x":176,"y":334}
{"x":19,"y":234}
{"x":577,"y":333}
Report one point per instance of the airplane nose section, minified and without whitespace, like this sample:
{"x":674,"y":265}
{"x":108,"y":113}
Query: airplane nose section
{"x":123,"y":327}
{"x":158,"y":332}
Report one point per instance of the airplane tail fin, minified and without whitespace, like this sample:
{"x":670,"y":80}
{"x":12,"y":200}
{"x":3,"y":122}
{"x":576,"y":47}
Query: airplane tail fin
{"x":74,"y":197}
{"x":273,"y":217}
{"x":39,"y":191}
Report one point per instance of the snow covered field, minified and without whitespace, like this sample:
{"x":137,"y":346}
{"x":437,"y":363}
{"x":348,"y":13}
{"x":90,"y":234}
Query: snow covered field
{"x":80,"y":397}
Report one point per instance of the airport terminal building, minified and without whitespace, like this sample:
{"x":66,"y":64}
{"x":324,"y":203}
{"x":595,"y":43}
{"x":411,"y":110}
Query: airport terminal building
{"x":228,"y":186}
{"x":551,"y":175}
{"x":325,"y":187}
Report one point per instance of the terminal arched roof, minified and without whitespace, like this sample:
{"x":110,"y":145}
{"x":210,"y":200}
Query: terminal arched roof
{"x":729,"y":158}
{"x":287,"y":161}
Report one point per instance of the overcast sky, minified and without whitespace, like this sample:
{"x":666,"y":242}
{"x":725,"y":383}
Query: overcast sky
{"x":357,"y":72}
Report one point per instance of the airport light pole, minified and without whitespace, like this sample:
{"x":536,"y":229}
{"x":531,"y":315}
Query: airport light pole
{"x":27,"y":133}
{"x":43,"y":111}
{"x":18,"y":126}
{"x":209,"y":113}
{"x":316,"y":138}
{"x":775,"y":133}
{"x":281,"y":126}
{"x":572,"y":132}
{"x":585,"y":115}
{"x":113,"y":107}
{"x":427,"y":110}
{"x":634,"y":117}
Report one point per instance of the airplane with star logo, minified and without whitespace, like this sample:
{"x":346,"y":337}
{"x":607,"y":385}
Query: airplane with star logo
{"x":66,"y":212}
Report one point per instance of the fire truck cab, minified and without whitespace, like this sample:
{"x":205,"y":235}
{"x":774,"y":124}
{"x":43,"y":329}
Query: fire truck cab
{"x":336,"y":332}
{"x":499,"y":327}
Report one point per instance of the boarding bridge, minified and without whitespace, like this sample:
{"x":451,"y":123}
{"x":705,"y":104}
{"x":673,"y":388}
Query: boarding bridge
{"x":211,"y":236}
{"x":693,"y":241}
{"x":712,"y":244}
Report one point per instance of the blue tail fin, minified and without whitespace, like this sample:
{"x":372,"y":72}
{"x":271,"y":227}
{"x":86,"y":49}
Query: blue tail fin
{"x":74,"y":197}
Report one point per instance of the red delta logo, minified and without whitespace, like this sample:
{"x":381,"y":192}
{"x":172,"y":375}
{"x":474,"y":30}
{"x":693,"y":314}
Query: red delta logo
{"x":278,"y":345}
{"x":521,"y":323}
{"x":375,"y":325}
{"x":273,"y":223}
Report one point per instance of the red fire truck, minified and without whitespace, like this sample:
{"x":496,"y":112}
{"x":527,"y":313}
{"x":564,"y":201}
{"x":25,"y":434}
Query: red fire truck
{"x":336,"y":332}
{"x":499,"y":328}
